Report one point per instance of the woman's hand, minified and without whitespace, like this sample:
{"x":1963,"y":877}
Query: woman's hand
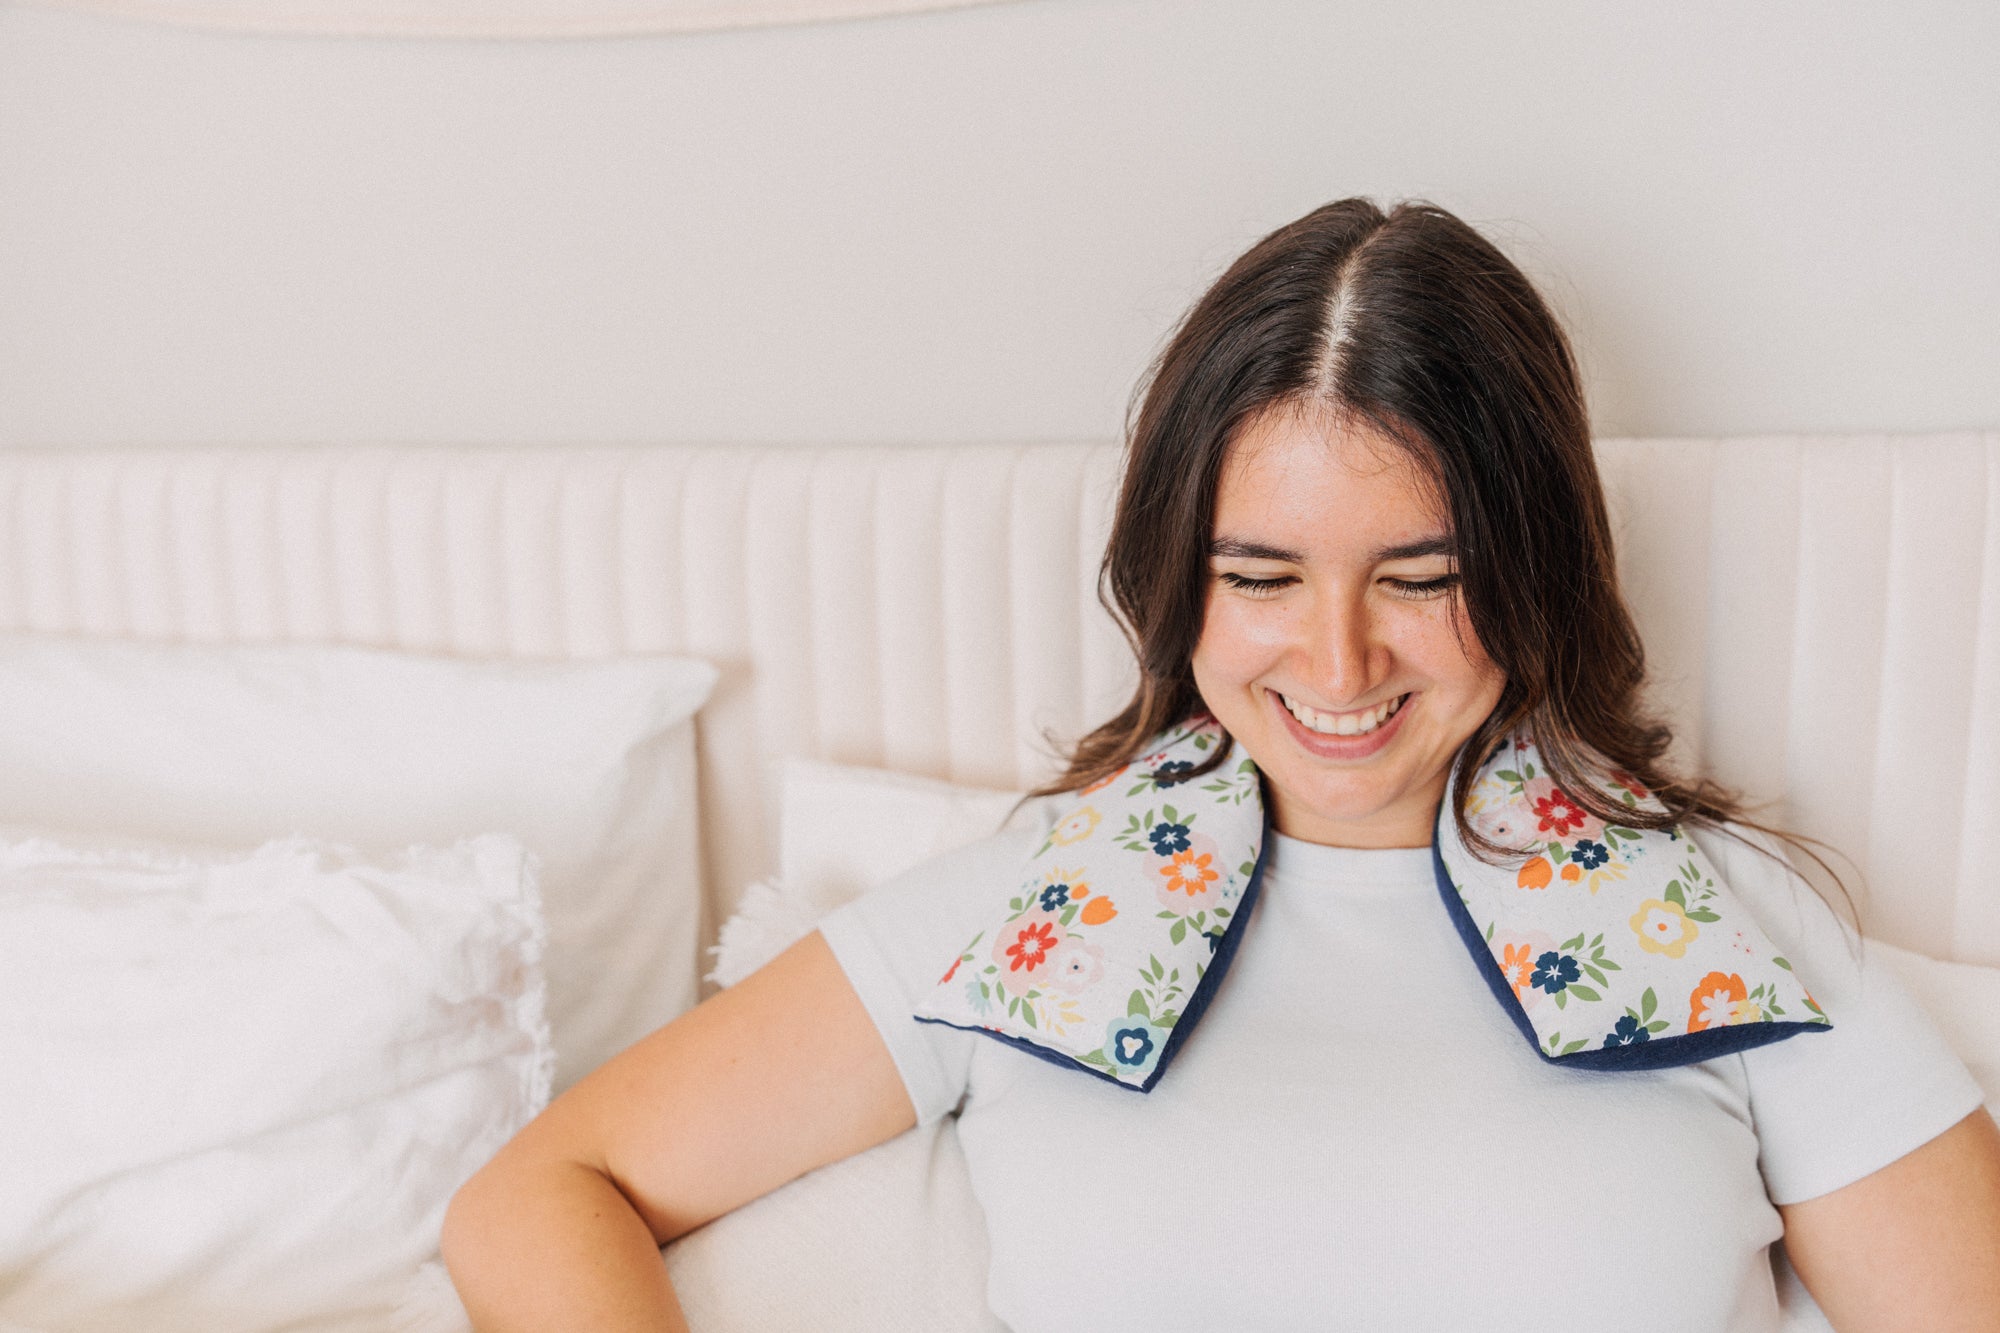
{"x":780,"y":1074}
{"x":1915,"y":1245}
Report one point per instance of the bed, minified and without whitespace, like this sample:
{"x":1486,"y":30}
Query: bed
{"x":735,"y":658}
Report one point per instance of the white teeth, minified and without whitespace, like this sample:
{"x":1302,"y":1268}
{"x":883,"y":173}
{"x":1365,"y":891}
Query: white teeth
{"x":1344,"y":724}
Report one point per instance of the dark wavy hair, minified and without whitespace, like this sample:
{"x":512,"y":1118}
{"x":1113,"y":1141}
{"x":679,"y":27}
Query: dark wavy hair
{"x":1413,"y":322}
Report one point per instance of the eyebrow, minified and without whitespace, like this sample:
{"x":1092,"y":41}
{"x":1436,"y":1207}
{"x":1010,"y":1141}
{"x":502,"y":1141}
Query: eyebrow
{"x":1242,"y":550}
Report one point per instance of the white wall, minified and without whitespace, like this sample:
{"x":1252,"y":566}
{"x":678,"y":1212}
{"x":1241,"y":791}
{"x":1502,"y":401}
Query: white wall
{"x":977,"y":224}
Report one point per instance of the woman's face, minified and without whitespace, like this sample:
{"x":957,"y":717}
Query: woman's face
{"x":1334,"y":646}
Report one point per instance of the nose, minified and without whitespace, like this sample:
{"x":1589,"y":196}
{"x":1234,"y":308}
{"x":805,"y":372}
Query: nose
{"x":1338,"y":651}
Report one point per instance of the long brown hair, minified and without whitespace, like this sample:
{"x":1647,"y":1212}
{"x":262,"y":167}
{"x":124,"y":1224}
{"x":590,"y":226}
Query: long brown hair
{"x":1413,"y":322}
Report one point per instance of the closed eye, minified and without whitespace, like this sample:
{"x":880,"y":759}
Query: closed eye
{"x":1255,"y":587}
{"x":1423,"y":587}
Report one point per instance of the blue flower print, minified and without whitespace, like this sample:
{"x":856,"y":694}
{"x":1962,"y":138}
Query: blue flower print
{"x":1172,"y":773}
{"x":1214,"y":938}
{"x":1130,"y":1043}
{"x":1590,"y":855}
{"x":1629,"y":1032}
{"x":1054,"y":896}
{"x":1169,"y":838}
{"x":1554,"y":971}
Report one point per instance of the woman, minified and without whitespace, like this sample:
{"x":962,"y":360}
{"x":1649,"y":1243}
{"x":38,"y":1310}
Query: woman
{"x":1362,"y":529}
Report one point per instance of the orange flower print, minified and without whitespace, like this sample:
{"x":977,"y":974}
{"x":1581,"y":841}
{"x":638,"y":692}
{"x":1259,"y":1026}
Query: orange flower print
{"x":1717,"y":1002}
{"x":1516,"y":962}
{"x":1189,"y":872}
{"x":1536,"y":874}
{"x":1098,"y":911}
{"x":1104,"y":781}
{"x":1572,"y":872}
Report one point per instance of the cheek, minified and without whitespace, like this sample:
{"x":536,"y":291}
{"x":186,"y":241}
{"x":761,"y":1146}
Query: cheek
{"x":1239,"y":640}
{"x":1459,"y":655}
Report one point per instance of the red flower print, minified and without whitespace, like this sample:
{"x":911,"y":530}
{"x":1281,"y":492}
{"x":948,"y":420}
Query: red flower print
{"x":1031,"y":947}
{"x":1629,"y":783}
{"x":954,"y":971}
{"x":1559,"y":814}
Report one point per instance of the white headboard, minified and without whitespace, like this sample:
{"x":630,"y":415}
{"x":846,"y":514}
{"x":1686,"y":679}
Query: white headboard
{"x":1823,"y":614}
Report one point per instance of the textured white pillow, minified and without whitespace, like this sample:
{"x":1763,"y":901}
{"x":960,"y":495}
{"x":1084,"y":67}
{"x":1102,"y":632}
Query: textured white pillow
{"x":891,"y":1238}
{"x":241,"y":1088}
{"x":589,"y":764}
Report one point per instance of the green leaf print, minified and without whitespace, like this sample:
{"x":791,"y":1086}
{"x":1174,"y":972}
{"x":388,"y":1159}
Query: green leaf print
{"x":1136,"y":1006}
{"x":1571,"y":946}
{"x":1781,"y":962}
{"x":1179,"y":932}
{"x":1647,"y":1004}
{"x":1575,"y":1046}
{"x":1702,"y":914}
{"x":1509,"y":775}
{"x":1028,"y":1015}
{"x":1674,"y":894}
{"x":1581,"y":992}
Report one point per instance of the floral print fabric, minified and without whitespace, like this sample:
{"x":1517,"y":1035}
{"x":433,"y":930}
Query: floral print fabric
{"x":1614,"y":947}
{"x":1119,"y":915}
{"x":1609,"y":937}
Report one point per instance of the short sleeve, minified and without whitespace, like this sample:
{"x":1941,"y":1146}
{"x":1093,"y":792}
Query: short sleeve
{"x":895,"y":943}
{"x":1832,"y":1107}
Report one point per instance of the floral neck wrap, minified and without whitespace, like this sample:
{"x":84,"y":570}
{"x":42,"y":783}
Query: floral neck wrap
{"x":1609,"y":947}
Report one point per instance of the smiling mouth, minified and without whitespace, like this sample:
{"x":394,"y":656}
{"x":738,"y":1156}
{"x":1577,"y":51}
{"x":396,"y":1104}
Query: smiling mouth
{"x":1357,"y":723}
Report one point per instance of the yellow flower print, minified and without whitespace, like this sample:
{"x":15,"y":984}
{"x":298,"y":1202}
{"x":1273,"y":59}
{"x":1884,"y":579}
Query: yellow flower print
{"x":1662,"y":927}
{"x":1489,"y":793}
{"x":1077,"y":825}
{"x":1608,"y":873}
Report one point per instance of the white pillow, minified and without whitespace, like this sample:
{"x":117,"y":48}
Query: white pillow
{"x":589,"y":764}
{"x":891,"y":1238}
{"x":241,"y":1088}
{"x":842,"y":831}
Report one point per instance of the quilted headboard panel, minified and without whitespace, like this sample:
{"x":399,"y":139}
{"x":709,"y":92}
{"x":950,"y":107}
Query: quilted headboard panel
{"x":1823,"y":614}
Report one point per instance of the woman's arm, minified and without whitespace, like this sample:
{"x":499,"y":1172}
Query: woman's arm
{"x":1914,"y":1245}
{"x":777,"y":1075}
